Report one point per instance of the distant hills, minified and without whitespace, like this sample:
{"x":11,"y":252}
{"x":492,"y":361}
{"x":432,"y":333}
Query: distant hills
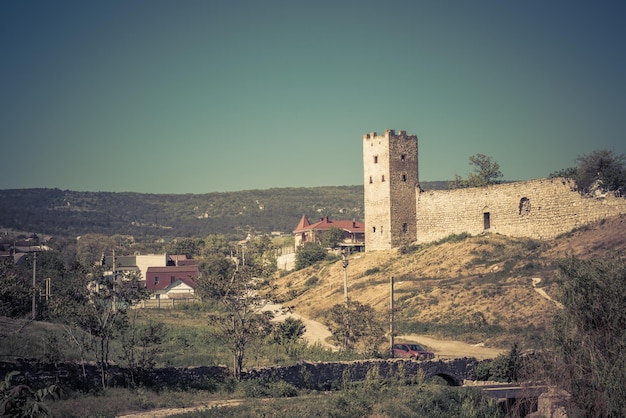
{"x":70,"y":213}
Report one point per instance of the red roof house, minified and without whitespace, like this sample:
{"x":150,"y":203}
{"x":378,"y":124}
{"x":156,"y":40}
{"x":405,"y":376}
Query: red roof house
{"x":353,"y":231}
{"x":161,"y":279}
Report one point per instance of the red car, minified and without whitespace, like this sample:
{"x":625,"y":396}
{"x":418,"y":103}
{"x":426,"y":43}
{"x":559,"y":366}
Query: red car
{"x":410,"y":350}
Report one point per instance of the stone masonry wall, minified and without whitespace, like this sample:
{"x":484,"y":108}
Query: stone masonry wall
{"x":312,"y":375}
{"x":539,"y":209}
{"x":390,"y":180}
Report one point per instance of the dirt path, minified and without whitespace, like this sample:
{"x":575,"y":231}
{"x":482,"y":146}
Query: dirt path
{"x":536,"y":281}
{"x":448,"y":349}
{"x":315,"y":333}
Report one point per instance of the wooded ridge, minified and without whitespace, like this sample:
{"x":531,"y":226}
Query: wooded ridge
{"x":72,"y":213}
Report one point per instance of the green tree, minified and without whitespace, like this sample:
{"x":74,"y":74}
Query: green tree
{"x":260,"y":258}
{"x":15,"y":290}
{"x":589,"y":334}
{"x":602,"y":169}
{"x":354,"y":326}
{"x":288,"y":332}
{"x":141,"y":345}
{"x":309,"y":254}
{"x":91,"y":247}
{"x":215,"y":273}
{"x":216,"y":244}
{"x":486,"y":172}
{"x":238,"y":323}
{"x":332,"y":237}
{"x":98,"y":306}
{"x":190,"y":247}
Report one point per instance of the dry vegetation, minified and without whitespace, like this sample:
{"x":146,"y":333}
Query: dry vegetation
{"x":479,"y":289}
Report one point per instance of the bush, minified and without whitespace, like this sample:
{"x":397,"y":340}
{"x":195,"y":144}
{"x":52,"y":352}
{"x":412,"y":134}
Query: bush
{"x":309,"y":254}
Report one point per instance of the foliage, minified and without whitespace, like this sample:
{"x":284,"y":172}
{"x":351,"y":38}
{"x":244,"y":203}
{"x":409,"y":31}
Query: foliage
{"x":190,"y":247}
{"x":486,"y":172}
{"x":266,"y":388}
{"x":355,"y":326}
{"x":99,"y":306}
{"x":22,"y":401}
{"x":287,"y":333}
{"x":384,"y":398}
{"x":238,"y":324}
{"x":215,"y":271}
{"x":602,"y":169}
{"x":506,"y":367}
{"x":589,"y":334}
{"x":15,"y":291}
{"x":141,"y":344}
{"x":332,"y":237}
{"x":152,"y":216}
{"x":309,"y":254}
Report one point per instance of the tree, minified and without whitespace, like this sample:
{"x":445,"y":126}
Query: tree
{"x":589,"y":334}
{"x":600,"y":169}
{"x":288,"y":332}
{"x":309,"y":254}
{"x":98,"y":306}
{"x":15,"y":290}
{"x":332,"y":237}
{"x":190,"y":247}
{"x":238,"y":324}
{"x":486,"y":172}
{"x":216,"y":244}
{"x":90,"y":248}
{"x":354,"y":326}
{"x":215,"y":273}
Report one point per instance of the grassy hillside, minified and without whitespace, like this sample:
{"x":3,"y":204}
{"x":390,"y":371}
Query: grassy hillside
{"x":479,"y":289}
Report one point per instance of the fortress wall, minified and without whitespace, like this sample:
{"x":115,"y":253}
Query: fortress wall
{"x":539,"y":209}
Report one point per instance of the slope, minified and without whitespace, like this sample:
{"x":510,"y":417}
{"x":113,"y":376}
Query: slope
{"x":479,"y":289}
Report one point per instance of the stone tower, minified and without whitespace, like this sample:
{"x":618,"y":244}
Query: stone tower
{"x":390,"y":168}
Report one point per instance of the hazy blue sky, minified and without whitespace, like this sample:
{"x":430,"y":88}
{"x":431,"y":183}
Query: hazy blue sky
{"x":203,"y":96}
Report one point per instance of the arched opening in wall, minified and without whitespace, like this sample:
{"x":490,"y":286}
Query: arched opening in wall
{"x":371,"y":180}
{"x":383,"y":179}
{"x":402,"y":157}
{"x":404,"y":177}
{"x":373,"y":229}
{"x":524,"y":206}
{"x":405,"y":228}
{"x":375,"y":159}
{"x":486,"y":220}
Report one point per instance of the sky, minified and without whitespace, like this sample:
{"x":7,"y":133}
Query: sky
{"x":200,"y":96}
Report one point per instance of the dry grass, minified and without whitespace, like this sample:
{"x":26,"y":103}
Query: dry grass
{"x":472,"y":284}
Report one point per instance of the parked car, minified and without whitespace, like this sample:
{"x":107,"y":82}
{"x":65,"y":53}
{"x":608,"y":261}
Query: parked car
{"x":411,"y":350}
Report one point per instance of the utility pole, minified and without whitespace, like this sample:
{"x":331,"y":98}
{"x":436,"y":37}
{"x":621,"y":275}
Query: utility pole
{"x":345,"y":276}
{"x":391,"y":327}
{"x":34,"y":302}
{"x":114,"y":299}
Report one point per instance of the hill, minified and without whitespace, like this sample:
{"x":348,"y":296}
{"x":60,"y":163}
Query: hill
{"x":479,"y":289}
{"x":70,"y":213}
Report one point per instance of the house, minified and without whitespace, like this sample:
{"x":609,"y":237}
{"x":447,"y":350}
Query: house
{"x":353,"y":232}
{"x":170,"y":280}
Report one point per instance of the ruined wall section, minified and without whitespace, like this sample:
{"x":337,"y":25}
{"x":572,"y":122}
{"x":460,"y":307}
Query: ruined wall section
{"x":540,"y":209}
{"x":390,"y":168}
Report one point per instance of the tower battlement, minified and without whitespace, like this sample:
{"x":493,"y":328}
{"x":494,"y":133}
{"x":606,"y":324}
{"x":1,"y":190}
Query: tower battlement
{"x":389,"y":133}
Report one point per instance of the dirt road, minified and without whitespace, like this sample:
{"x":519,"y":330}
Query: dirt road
{"x":317,"y":332}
